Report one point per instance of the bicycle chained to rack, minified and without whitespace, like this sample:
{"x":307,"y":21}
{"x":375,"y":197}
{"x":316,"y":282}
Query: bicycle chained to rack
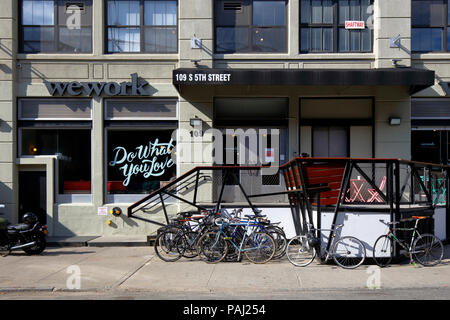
{"x":348,"y":252}
{"x":243,"y":236}
{"x":179,"y":238}
{"x":425,"y":248}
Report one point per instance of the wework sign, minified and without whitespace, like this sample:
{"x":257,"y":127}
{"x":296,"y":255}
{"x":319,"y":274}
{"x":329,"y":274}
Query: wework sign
{"x":74,"y":88}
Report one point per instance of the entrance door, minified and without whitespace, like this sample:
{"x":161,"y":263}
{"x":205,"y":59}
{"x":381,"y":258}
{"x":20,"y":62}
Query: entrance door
{"x":32,"y":194}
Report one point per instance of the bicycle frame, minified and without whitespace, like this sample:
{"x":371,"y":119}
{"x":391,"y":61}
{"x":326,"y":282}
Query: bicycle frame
{"x":247,"y":225}
{"x":404,"y":244}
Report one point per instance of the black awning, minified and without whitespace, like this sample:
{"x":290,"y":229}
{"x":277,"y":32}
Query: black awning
{"x":416,"y":79}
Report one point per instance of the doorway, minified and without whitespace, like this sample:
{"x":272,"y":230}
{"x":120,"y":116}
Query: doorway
{"x":33,"y":194}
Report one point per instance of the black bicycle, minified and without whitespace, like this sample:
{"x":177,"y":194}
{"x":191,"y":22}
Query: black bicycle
{"x":425,"y":248}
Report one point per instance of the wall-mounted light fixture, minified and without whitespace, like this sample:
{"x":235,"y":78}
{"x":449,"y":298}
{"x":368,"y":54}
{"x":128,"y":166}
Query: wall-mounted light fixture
{"x":394,"y":121}
{"x":195,"y":122}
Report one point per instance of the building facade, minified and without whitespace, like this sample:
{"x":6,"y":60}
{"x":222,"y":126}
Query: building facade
{"x":91,"y":92}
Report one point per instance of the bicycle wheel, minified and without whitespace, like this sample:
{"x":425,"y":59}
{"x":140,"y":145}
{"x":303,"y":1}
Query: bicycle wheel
{"x":383,"y":250}
{"x":428,"y":250}
{"x":280,"y":241}
{"x":5,"y":250}
{"x":299,"y":252}
{"x":170,"y":245}
{"x":212,"y":247}
{"x":348,"y":252}
{"x":259,"y":247}
{"x":191,"y":238}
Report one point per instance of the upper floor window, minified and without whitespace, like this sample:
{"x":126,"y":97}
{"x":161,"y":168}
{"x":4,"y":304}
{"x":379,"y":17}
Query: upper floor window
{"x":250,"y":26}
{"x":323,"y":26}
{"x":430,"y":26}
{"x":56,"y":26}
{"x":142,"y":26}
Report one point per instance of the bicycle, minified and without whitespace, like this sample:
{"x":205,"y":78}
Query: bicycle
{"x":348,"y":252}
{"x":179,"y":238}
{"x":265,"y":225}
{"x":426,"y":248}
{"x":258,"y":247}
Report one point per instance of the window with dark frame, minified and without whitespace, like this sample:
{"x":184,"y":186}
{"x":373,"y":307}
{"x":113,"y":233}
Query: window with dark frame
{"x":430,"y":31}
{"x":56,"y":26}
{"x":250,"y":26}
{"x":60,"y":128}
{"x":142,"y":26}
{"x":322,"y":26}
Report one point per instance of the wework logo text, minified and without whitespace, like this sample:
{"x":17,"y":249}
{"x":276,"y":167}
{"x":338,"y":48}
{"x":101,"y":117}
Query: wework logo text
{"x":133,"y":88}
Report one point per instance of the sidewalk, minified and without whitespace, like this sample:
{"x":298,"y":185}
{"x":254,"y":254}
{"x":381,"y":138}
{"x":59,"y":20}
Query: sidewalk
{"x":98,"y":241}
{"x":137,"y":268}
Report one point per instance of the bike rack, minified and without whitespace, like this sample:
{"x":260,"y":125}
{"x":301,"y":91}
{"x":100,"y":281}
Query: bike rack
{"x":397,"y":186}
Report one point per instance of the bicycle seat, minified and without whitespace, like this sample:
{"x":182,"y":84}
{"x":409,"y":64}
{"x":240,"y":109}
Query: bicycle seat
{"x":419,"y":217}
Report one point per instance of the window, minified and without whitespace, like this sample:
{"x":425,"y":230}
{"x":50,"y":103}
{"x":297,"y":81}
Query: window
{"x":250,"y":26}
{"x":140,"y":147}
{"x":142,"y":26}
{"x":322,"y":26}
{"x":49,"y":26}
{"x":430,"y":30}
{"x":47,"y":127}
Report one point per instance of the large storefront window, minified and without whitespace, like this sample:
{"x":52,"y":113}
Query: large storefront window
{"x":56,"y":26}
{"x":139,"y":161}
{"x":140,"y":147}
{"x":60,"y":128}
{"x":72,"y":147}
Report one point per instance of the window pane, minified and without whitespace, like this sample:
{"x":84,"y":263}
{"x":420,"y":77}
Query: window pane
{"x":305,"y":39}
{"x":269,"y":13}
{"x":426,"y":39}
{"x":355,"y":10}
{"x":366,"y":39}
{"x":155,"y":168}
{"x":427,"y":12}
{"x":327,"y":39}
{"x":436,"y":35}
{"x":354,"y":40}
{"x":160,"y":39}
{"x":123,"y":39}
{"x":123,"y":13}
{"x":160,"y":13}
{"x":37,"y":12}
{"x":316,"y":11}
{"x":365,"y":11}
{"x":38,"y":39}
{"x":327,"y":11}
{"x":316,"y":39}
{"x":305,"y":11}
{"x":73,"y":149}
{"x":117,"y":109}
{"x":344,"y":44}
{"x":344,"y":11}
{"x":232,"y":39}
{"x":76,"y":41}
{"x":269,"y":40}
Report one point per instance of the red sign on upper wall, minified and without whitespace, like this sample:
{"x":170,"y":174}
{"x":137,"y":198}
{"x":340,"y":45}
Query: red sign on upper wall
{"x":355,"y":25}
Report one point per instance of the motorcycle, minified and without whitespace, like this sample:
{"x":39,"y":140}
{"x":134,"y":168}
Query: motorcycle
{"x":28,"y":236}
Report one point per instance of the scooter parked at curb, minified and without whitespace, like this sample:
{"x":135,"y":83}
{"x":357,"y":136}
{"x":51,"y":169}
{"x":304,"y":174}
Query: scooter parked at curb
{"x":28,"y":236}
